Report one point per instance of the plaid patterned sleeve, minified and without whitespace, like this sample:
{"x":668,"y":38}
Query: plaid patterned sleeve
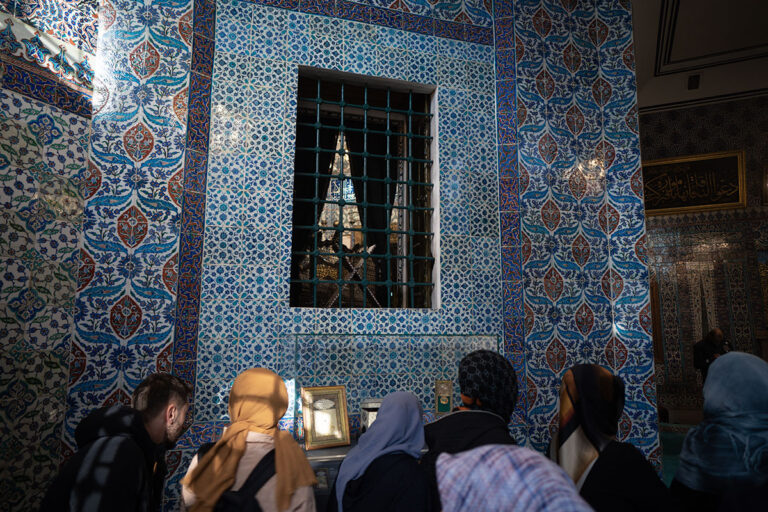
{"x":502,"y":477}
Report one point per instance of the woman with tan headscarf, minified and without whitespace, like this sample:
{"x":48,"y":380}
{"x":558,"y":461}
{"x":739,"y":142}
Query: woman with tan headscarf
{"x":257,"y":401}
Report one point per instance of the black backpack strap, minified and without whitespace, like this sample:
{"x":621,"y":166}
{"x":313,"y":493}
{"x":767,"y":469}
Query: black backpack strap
{"x":260,"y":475}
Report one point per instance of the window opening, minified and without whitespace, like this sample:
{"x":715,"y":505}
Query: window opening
{"x":362,"y":204}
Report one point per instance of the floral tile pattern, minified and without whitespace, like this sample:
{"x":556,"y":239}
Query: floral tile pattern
{"x":42,"y":161}
{"x":133,"y":196}
{"x":578,"y":244}
{"x":62,"y":60}
{"x":542,"y":242}
{"x":464,"y":20}
{"x":71,"y":21}
{"x":243,"y":293}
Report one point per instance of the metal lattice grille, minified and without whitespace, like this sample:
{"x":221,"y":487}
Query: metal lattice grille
{"x":362,"y":203}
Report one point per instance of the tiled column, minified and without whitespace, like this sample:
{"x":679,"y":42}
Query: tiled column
{"x":582,"y":220}
{"x":126,"y":304}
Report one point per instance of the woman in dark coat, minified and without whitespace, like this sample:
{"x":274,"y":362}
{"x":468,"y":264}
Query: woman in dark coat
{"x":724,"y":460}
{"x":610,"y":476}
{"x":382,"y":472}
{"x":488,"y":386}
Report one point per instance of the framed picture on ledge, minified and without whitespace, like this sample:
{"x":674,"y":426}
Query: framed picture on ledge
{"x":326,"y":423}
{"x":697,"y":183}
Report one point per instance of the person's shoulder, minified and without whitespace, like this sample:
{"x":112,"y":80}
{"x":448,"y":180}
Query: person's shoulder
{"x":618,"y":456}
{"x":125,"y":449}
{"x":624,"y":451}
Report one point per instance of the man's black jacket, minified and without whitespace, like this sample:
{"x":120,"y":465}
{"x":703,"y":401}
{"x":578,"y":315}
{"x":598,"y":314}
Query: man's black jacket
{"x":115,"y":468}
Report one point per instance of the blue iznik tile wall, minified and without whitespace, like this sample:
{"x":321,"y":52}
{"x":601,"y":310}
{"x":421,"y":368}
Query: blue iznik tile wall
{"x":72,"y":21}
{"x":184,"y":257}
{"x":244,"y":314}
{"x":43,"y":153}
{"x":582,"y":226}
{"x":126,"y":301}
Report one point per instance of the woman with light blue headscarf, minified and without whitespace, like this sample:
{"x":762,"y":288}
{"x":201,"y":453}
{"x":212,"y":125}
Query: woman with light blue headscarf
{"x":382,"y":472}
{"x":725,"y":457}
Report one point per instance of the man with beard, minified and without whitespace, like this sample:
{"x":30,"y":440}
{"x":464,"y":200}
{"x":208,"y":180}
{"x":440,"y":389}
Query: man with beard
{"x":119,"y":464}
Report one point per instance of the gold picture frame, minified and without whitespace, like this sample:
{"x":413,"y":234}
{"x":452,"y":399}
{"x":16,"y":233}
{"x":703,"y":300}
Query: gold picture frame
{"x":696,"y":183}
{"x":443,"y":396}
{"x":326,"y":423}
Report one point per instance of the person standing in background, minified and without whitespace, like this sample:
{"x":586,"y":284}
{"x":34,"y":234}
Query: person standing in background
{"x":707,"y":350}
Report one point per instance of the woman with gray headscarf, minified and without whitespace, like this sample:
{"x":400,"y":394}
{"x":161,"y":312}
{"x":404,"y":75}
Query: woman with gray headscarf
{"x":724,"y":460}
{"x":382,"y":472}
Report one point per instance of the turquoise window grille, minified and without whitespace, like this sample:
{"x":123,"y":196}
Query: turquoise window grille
{"x":362,"y":201}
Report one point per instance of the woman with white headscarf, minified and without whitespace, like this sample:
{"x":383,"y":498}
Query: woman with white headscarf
{"x":382,"y":472}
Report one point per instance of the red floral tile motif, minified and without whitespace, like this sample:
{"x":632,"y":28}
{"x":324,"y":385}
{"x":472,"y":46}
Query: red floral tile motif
{"x":601,"y":91}
{"x":542,"y":22}
{"x":585,"y":319}
{"x":649,"y":388}
{"x":574,"y":120}
{"x":612,"y":284}
{"x":625,"y":426}
{"x":556,"y":355}
{"x":628,"y":56}
{"x":144,"y":59}
{"x":107,"y":15}
{"x":77,"y":361}
{"x":605,"y":154}
{"x":180,"y":105}
{"x":631,"y":120}
{"x":171,"y":273}
{"x":580,"y":249}
{"x":522,"y":112}
{"x":525,"y":247}
{"x":125,"y":317}
{"x":553,"y":284}
{"x":529,"y":319}
{"x":86,"y":271}
{"x":577,"y":183}
{"x":598,"y":32}
{"x":138,"y":142}
{"x":548,"y":148}
{"x":185,"y":27}
{"x":525,"y":178}
{"x":519,"y":49}
{"x":91,"y":180}
{"x":531,"y":392}
{"x":117,"y":397}
{"x":165,"y":359}
{"x":636,"y":183}
{"x":645,"y":318}
{"x":569,"y":5}
{"x":616,"y":353}
{"x":176,"y":187}
{"x":641,"y":250}
{"x":545,"y":84}
{"x":572,"y":58}
{"x":608,"y":217}
{"x":132,"y":226}
{"x":550,"y":215}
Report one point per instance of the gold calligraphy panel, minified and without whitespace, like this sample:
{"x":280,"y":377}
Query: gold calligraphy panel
{"x":712,"y":181}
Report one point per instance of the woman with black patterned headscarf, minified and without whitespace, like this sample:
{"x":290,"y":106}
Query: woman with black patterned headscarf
{"x":610,"y":475}
{"x":488,"y":386}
